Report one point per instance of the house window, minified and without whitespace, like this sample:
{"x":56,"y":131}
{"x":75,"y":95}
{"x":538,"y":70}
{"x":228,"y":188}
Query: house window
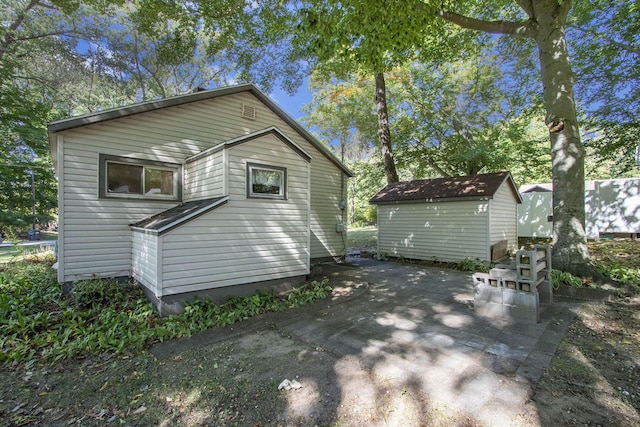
{"x":124,"y":177}
{"x":268,"y":182}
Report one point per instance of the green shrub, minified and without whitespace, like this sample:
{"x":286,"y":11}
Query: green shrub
{"x":563,"y":278}
{"x":103,"y":293}
{"x":626,"y":275}
{"x":37,"y":323}
{"x":476,"y":265}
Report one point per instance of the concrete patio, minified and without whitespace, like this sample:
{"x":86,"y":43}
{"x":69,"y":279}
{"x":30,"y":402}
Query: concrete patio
{"x":400,"y":326}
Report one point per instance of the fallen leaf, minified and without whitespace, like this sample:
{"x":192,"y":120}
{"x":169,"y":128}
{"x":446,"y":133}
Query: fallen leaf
{"x":139,"y":410}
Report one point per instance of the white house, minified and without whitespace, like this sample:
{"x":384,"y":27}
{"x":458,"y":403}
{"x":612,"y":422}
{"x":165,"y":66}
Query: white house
{"x":216,"y":192}
{"x":449,"y":219}
{"x":612,"y":206}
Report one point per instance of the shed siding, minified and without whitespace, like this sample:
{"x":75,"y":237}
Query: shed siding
{"x":144,"y":265}
{"x":204,"y":177}
{"x":611,"y":206}
{"x":504,"y":217}
{"x":443,"y":231}
{"x":248,"y":239}
{"x":96,"y":233}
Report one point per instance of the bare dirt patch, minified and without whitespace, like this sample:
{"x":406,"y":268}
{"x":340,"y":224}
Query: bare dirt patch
{"x":594,"y":377}
{"x":233,"y":382}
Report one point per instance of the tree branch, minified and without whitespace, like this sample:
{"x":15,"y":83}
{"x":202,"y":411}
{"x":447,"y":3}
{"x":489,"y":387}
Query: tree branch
{"x":563,"y":10}
{"x":527,"y":7}
{"x":7,"y":38}
{"x":626,"y":47}
{"x":43,"y":35}
{"x":515,"y":29}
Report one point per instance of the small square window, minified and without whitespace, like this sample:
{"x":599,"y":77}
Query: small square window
{"x":268,"y":182}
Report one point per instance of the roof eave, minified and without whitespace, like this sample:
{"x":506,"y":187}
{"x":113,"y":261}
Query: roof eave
{"x":431,"y":200}
{"x":93,"y":118}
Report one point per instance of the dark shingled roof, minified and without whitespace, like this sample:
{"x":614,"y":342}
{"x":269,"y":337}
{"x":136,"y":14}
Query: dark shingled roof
{"x":171,"y":218}
{"x":441,"y":189}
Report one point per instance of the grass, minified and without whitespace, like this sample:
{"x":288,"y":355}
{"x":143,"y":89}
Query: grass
{"x":16,"y":251}
{"x":365,"y":237}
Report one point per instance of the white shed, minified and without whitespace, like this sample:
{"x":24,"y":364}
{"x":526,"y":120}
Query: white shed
{"x":449,"y":219}
{"x":612,"y":206}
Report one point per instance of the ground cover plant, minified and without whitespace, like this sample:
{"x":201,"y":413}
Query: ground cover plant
{"x":39,"y":324}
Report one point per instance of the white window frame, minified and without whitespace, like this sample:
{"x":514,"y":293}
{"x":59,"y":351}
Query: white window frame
{"x":282,"y":195}
{"x":106,"y":160}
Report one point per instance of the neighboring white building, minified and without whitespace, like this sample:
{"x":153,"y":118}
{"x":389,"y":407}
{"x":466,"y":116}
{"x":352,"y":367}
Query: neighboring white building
{"x":196,"y":194}
{"x":448,"y":219}
{"x":612,"y":206}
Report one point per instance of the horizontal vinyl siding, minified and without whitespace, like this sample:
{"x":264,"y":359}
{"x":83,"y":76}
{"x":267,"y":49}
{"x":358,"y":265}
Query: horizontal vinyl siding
{"x":97,"y":237}
{"x":326,"y":181}
{"x":247,"y":240}
{"x":204,"y":177}
{"x":325,"y":185}
{"x":504,"y":217}
{"x":447,"y":231}
{"x":144,"y":261}
{"x":168,"y":135}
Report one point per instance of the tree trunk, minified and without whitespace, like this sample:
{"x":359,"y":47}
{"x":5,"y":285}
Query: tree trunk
{"x":570,"y":252}
{"x":383,"y":130}
{"x":546,"y":25}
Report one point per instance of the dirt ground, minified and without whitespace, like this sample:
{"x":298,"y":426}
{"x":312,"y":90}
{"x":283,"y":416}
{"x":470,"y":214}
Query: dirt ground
{"x":594,"y":379}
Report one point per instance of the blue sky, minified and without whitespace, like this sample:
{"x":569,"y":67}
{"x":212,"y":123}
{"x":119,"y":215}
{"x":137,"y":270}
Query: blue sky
{"x":292,"y":104}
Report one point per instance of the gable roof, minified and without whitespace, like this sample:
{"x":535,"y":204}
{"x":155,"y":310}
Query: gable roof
{"x":166,"y":221}
{"x":272,"y":130}
{"x":143,"y":107}
{"x":536,"y":188}
{"x":471,"y":187}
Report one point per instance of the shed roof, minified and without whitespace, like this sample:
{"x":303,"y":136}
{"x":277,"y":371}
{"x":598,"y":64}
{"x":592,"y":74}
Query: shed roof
{"x":482,"y":186}
{"x":143,"y":107}
{"x":166,"y":221}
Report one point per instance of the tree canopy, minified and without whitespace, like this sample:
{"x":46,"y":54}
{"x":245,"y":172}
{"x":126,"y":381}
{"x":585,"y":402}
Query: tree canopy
{"x":451,"y":101}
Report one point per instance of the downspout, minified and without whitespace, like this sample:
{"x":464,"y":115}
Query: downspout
{"x":490,"y":225}
{"x":343,"y":201}
{"x":61,"y":208}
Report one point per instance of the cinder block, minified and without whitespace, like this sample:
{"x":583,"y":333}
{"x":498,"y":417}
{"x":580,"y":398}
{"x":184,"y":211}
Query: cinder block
{"x":481,"y":279}
{"x":525,"y":300}
{"x":545,"y":291}
{"x":526,"y":285}
{"x":490,"y":310}
{"x":487,"y":294}
{"x":503,"y":273}
{"x":510,"y":284}
{"x":520,"y":314}
{"x":524,"y":272}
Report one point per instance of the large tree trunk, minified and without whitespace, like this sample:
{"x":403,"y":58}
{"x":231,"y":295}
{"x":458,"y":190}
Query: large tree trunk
{"x":546,"y":25}
{"x":384,"y":134}
{"x":570,"y":252}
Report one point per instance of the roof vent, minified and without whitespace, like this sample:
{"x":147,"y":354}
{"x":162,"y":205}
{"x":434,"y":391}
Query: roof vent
{"x":248,"y":112}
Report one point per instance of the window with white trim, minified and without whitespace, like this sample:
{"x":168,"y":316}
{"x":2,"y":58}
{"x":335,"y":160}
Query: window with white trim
{"x":124,"y":177}
{"x":269,"y":182}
